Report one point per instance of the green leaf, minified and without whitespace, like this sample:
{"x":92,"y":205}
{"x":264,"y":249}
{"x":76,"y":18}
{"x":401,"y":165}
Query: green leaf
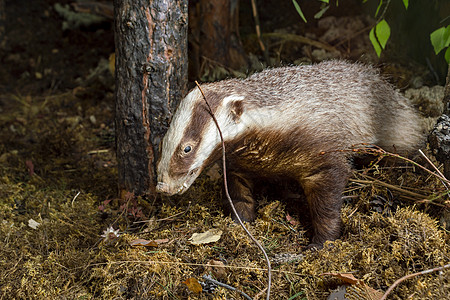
{"x":379,"y":36}
{"x":326,"y":1}
{"x":374,"y":41}
{"x":440,"y":38}
{"x":378,"y":8}
{"x":447,"y":55}
{"x":299,"y":10}
{"x":321,"y":12}
{"x":383,"y":32}
{"x":406,"y":3}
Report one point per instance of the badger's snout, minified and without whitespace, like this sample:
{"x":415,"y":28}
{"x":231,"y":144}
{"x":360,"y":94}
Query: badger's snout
{"x":165,"y":188}
{"x":162,"y":187}
{"x":178,"y":185}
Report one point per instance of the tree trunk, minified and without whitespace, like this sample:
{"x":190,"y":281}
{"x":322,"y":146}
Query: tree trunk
{"x":447,"y":93}
{"x":151,"y":78}
{"x":447,"y":112}
{"x":2,"y":23}
{"x":215,"y":35}
{"x":439,"y":138}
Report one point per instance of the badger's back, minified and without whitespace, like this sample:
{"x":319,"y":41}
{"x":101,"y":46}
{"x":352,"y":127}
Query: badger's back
{"x":337,"y":103}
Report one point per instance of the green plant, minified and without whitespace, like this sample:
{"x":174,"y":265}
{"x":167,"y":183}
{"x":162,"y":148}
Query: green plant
{"x":440,"y":39}
{"x":380,"y":33}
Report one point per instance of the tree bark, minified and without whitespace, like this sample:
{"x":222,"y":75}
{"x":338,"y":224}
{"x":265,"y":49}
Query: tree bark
{"x":2,"y":23}
{"x":151,"y":78}
{"x":439,"y":138}
{"x":215,"y":35}
{"x":447,"y":93}
{"x":447,"y":112}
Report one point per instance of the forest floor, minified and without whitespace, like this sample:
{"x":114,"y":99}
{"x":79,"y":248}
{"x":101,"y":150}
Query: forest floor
{"x":65,"y":234}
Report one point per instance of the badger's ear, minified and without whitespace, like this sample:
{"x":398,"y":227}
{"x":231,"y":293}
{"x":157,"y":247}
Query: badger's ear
{"x":237,"y":108}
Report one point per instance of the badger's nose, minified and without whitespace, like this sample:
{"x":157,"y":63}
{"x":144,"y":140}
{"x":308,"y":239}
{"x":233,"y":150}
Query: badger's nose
{"x":162,"y":187}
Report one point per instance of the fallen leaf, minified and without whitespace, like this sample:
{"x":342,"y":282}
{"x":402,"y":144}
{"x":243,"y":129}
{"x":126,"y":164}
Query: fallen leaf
{"x":217,"y":268}
{"x":33,"y":224}
{"x":30,"y":167}
{"x":142,"y":242}
{"x":102,"y":206}
{"x":291,"y":220}
{"x":356,"y":287}
{"x":161,"y":241}
{"x":212,"y":235}
{"x":193,"y":285}
{"x":346,"y":277}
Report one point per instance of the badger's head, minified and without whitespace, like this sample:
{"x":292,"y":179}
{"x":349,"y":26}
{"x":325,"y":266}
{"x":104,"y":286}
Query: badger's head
{"x":192,"y":141}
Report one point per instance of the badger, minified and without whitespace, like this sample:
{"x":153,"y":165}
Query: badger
{"x":288,"y":124}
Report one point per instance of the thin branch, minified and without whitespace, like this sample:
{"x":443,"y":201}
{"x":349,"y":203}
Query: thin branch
{"x":151,"y":262}
{"x":410,"y":276}
{"x":210,"y":279}
{"x":74,"y":198}
{"x":376,"y":150}
{"x":229,"y":198}
{"x":299,"y":39}
{"x":349,"y":38}
{"x":169,"y":218}
{"x":434,"y":167}
{"x":390,"y":186}
{"x":384,"y":11}
{"x":258,"y":32}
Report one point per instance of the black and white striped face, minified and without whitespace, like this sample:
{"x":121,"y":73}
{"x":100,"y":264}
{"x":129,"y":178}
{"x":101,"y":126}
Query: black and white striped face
{"x":193,"y":138}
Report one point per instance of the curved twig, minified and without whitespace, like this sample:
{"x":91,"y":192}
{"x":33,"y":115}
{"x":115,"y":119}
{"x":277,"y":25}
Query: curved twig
{"x":269,"y":270}
{"x":209,"y":278}
{"x":398,"y":281}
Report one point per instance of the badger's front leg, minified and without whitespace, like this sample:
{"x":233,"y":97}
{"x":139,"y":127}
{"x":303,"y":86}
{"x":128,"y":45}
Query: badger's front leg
{"x":323,"y":190}
{"x":240,"y":188}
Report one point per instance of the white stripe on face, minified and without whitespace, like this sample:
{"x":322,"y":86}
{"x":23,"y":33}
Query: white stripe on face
{"x":180,"y":121}
{"x":229,"y":128}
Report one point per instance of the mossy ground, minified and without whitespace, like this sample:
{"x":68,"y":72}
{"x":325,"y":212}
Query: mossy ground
{"x":58,"y":195}
{"x":58,"y":169}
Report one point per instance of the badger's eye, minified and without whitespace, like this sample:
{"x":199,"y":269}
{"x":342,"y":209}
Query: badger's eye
{"x":187,"y":149}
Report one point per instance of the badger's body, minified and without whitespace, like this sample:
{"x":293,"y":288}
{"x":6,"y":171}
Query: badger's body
{"x":288,"y":123}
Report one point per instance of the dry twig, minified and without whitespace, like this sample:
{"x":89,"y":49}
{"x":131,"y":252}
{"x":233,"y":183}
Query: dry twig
{"x":411,"y":276}
{"x":258,"y":32}
{"x":434,"y":167}
{"x":300,"y":39}
{"x":229,"y":198}
{"x":389,"y":186}
{"x":377,"y":151}
{"x":209,"y":278}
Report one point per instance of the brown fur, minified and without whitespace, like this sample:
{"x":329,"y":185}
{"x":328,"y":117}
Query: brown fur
{"x":293,"y":155}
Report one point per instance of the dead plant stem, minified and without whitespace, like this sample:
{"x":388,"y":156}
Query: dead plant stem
{"x":269,"y":270}
{"x":434,"y":167}
{"x":398,"y":281}
{"x":258,"y":32}
{"x":390,"y":186}
{"x":208,"y":278}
